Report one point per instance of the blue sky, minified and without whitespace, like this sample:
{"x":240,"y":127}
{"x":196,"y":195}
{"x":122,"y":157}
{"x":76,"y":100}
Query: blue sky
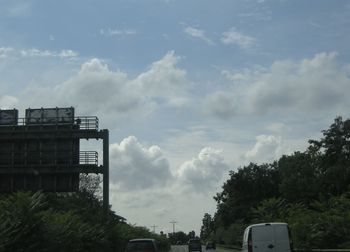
{"x":188,"y":89}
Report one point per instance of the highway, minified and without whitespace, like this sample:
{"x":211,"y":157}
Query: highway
{"x":184,"y":248}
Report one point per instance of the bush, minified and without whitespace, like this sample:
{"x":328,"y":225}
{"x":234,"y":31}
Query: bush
{"x":67,"y":222}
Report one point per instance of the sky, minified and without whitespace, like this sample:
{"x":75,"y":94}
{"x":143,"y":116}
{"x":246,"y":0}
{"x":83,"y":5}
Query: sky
{"x":189,"y":89}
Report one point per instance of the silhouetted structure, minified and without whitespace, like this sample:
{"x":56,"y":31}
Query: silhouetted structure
{"x":42,"y":151}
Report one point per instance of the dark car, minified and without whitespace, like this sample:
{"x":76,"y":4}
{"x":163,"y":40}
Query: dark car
{"x":210,"y":245}
{"x":194,"y":245}
{"x":141,"y":245}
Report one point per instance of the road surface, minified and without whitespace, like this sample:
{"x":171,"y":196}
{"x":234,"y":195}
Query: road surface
{"x":184,"y":248}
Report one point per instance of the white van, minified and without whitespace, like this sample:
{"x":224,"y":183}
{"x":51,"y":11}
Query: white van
{"x":267,"y":237}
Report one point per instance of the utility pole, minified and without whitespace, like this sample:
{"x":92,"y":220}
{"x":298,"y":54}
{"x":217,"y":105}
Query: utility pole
{"x":154,"y":228}
{"x":173,"y":222}
{"x":105,"y":135}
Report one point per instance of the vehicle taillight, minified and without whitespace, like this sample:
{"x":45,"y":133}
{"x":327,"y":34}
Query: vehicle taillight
{"x":250,"y":244}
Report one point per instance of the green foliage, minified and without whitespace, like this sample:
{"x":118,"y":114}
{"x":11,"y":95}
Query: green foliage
{"x":178,"y":237}
{"x":333,"y":151}
{"x":207,"y":226}
{"x":269,"y":210}
{"x":308,"y":190}
{"x":181,"y":237}
{"x":20,"y":222}
{"x":231,"y":235}
{"x":244,"y":190}
{"x":299,"y":180}
{"x":66,"y":222}
{"x":67,"y":231}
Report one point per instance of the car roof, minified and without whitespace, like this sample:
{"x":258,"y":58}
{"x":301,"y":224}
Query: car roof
{"x":141,"y":239}
{"x":267,"y":224}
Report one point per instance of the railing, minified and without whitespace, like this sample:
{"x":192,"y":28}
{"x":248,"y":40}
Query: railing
{"x":321,"y":250}
{"x":84,"y":122}
{"x":87,"y":122}
{"x":22,"y":158}
{"x":88,"y":157}
{"x":238,"y":248}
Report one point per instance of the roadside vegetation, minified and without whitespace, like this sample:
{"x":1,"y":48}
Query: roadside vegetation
{"x":309,"y":190}
{"x":181,"y":238}
{"x":65,"y":222}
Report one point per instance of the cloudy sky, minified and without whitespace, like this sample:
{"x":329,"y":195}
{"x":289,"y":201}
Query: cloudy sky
{"x":189,"y":89}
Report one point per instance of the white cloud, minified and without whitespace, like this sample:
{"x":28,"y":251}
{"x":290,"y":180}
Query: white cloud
{"x":233,"y":37}
{"x":8,"y":102}
{"x":67,"y":54}
{"x":196,"y":33}
{"x":277,"y":127}
{"x":244,"y":75}
{"x":204,"y":172}
{"x":266,"y":149}
{"x":161,"y":212}
{"x":136,"y":167}
{"x":160,"y":206}
{"x":46,"y":53}
{"x":4,"y":51}
{"x":314,"y":85}
{"x":96,"y":89}
{"x":115,"y":32}
{"x":165,"y":80}
{"x":221,"y":104}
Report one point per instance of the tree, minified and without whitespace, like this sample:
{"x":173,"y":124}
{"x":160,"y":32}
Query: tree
{"x":20,"y":222}
{"x":309,"y":190}
{"x":207,"y":226}
{"x":178,"y":237}
{"x":66,"y":222}
{"x":333,"y":152}
{"x":90,"y":185}
{"x":191,"y":235}
{"x":299,"y":179}
{"x":244,"y":190}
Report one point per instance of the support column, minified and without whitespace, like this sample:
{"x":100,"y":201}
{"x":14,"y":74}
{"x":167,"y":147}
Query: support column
{"x":105,"y":170}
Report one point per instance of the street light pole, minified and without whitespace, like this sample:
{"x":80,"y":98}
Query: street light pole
{"x":154,"y":228}
{"x":173,"y":222}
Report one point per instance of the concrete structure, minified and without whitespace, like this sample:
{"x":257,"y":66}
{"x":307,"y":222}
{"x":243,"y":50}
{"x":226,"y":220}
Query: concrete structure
{"x":42,"y":151}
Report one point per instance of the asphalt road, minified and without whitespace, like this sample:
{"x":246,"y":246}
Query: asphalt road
{"x":184,"y":248}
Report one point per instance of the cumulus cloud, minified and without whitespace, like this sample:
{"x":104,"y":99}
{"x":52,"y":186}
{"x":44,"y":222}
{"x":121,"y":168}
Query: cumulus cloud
{"x":197,"y":33}
{"x":313,"y":85}
{"x":204,"y":172}
{"x":136,"y":167}
{"x":266,"y":149}
{"x":96,"y":89}
{"x":221,"y":104}
{"x":165,"y":80}
{"x":233,"y":37}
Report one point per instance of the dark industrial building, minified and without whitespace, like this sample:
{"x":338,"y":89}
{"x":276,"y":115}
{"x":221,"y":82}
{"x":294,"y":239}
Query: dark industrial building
{"x":42,"y":151}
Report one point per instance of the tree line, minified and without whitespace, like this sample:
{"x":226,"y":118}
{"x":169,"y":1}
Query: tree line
{"x":180,"y":237}
{"x":309,"y":190}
